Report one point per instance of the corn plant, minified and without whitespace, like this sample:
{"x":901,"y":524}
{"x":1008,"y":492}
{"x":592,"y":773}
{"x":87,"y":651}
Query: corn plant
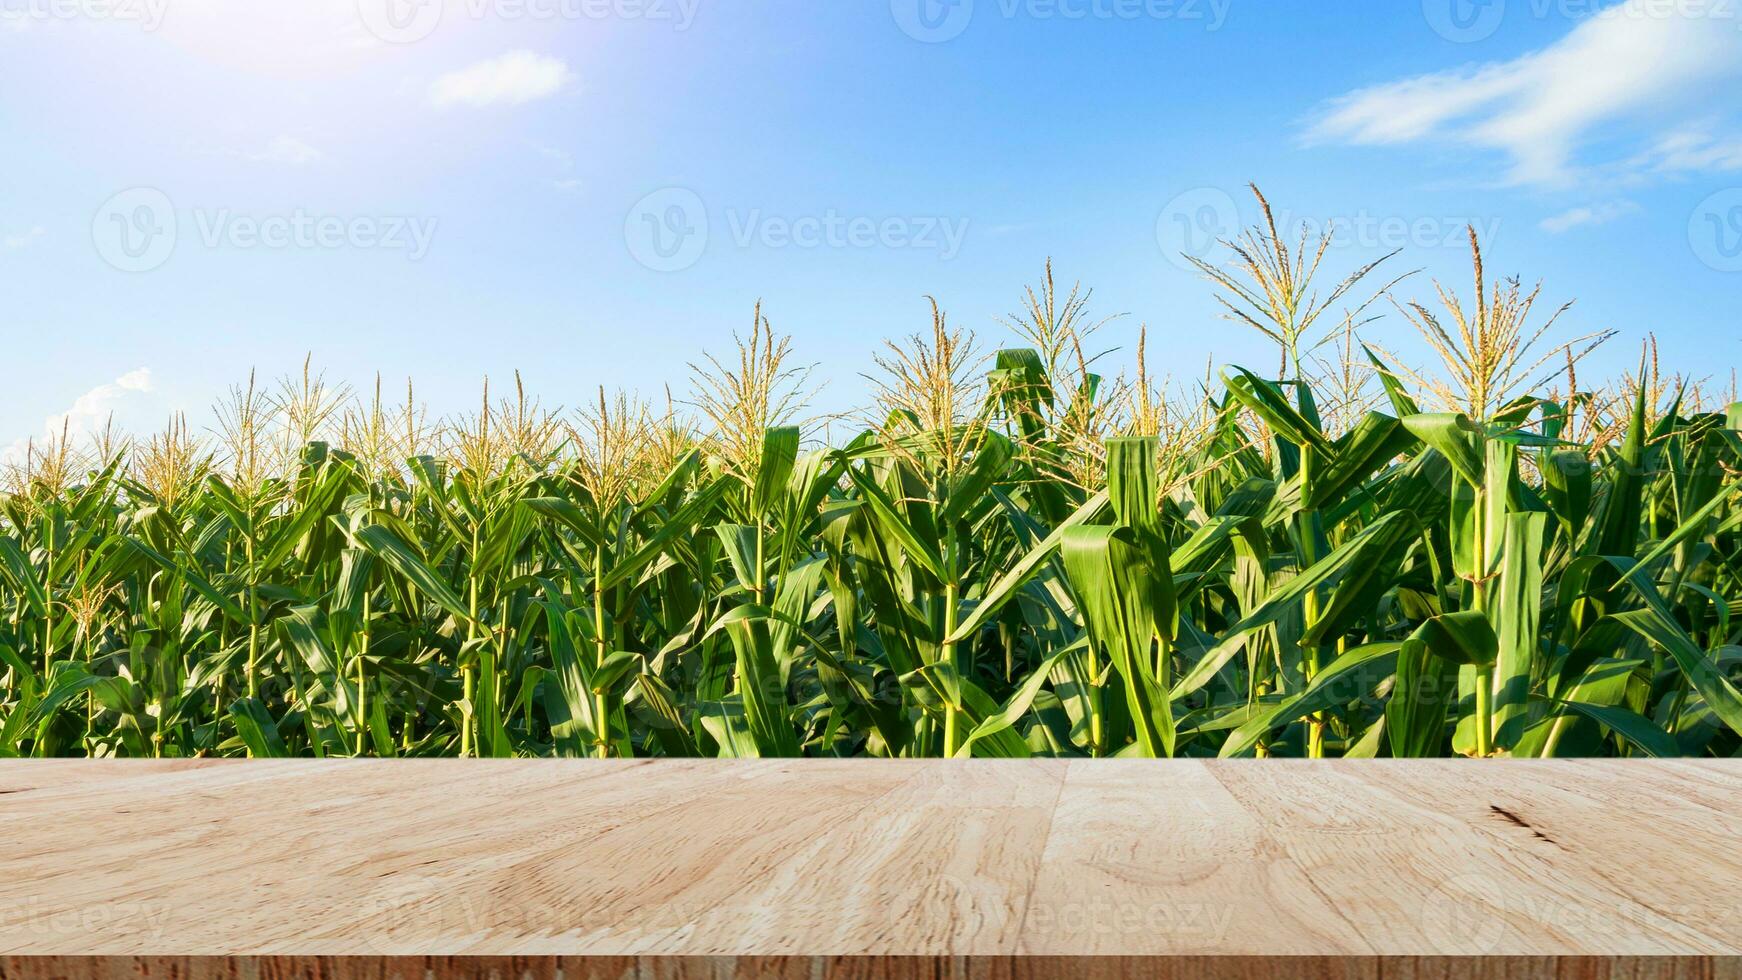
{"x":1018,"y":552}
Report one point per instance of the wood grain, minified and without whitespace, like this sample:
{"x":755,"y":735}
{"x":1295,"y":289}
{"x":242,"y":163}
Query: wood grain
{"x":866,"y":968}
{"x":808,"y":867}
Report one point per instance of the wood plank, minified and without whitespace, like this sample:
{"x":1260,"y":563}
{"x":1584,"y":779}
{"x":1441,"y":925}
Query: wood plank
{"x":1163,"y":859}
{"x":870,"y":868}
{"x":867,"y":968}
{"x":1468,"y":872}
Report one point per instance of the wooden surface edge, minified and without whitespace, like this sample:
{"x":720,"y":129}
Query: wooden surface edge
{"x":981,"y":859}
{"x":867,"y":967}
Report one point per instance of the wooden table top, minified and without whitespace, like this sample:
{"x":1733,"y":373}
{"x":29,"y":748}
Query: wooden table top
{"x":861,"y":857}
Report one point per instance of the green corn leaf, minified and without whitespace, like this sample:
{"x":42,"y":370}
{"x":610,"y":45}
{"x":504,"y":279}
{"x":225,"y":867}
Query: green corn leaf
{"x":400,"y":557}
{"x":1122,"y":597}
{"x":1618,"y":527}
{"x":779,"y":455}
{"x":1425,"y":689}
{"x":1369,"y":446}
{"x":1285,"y":600}
{"x":760,"y":689}
{"x":1657,"y":625}
{"x":1461,"y":638}
{"x":679,"y":526}
{"x":1342,"y":680}
{"x":1648,"y":738}
{"x":1004,"y":587}
{"x":888,"y":519}
{"x":1266,"y":402}
{"x":257,"y":729}
{"x":1455,"y":437}
{"x":1019,"y":702}
{"x":1401,"y":402}
{"x":1517,"y":619}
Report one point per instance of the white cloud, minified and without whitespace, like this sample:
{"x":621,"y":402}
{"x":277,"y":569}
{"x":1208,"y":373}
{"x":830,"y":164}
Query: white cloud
{"x":87,"y":414}
{"x":1693,"y":148}
{"x":285,"y":149}
{"x":556,"y":154}
{"x":23,"y":238}
{"x":512,"y":79}
{"x":1639,"y":64}
{"x":1594,"y":214}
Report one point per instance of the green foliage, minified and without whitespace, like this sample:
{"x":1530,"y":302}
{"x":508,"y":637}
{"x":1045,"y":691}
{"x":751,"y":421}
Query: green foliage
{"x":1049,"y":565}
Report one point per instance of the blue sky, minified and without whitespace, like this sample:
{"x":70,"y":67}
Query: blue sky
{"x":595,"y":191}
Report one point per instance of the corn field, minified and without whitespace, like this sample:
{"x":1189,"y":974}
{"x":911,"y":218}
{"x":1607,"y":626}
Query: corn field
{"x":1018,"y":551}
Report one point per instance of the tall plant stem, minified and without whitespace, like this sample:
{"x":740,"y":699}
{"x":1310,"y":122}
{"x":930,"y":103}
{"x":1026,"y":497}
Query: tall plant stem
{"x":1484,"y":711}
{"x":602,"y":737}
{"x":363,"y":679}
{"x":757,"y":582}
{"x":469,"y":672}
{"x":253,"y":616}
{"x":1309,"y":531}
{"x":48,"y":593}
{"x":363,"y":657}
{"x":1484,"y":707}
{"x":952,"y":613}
